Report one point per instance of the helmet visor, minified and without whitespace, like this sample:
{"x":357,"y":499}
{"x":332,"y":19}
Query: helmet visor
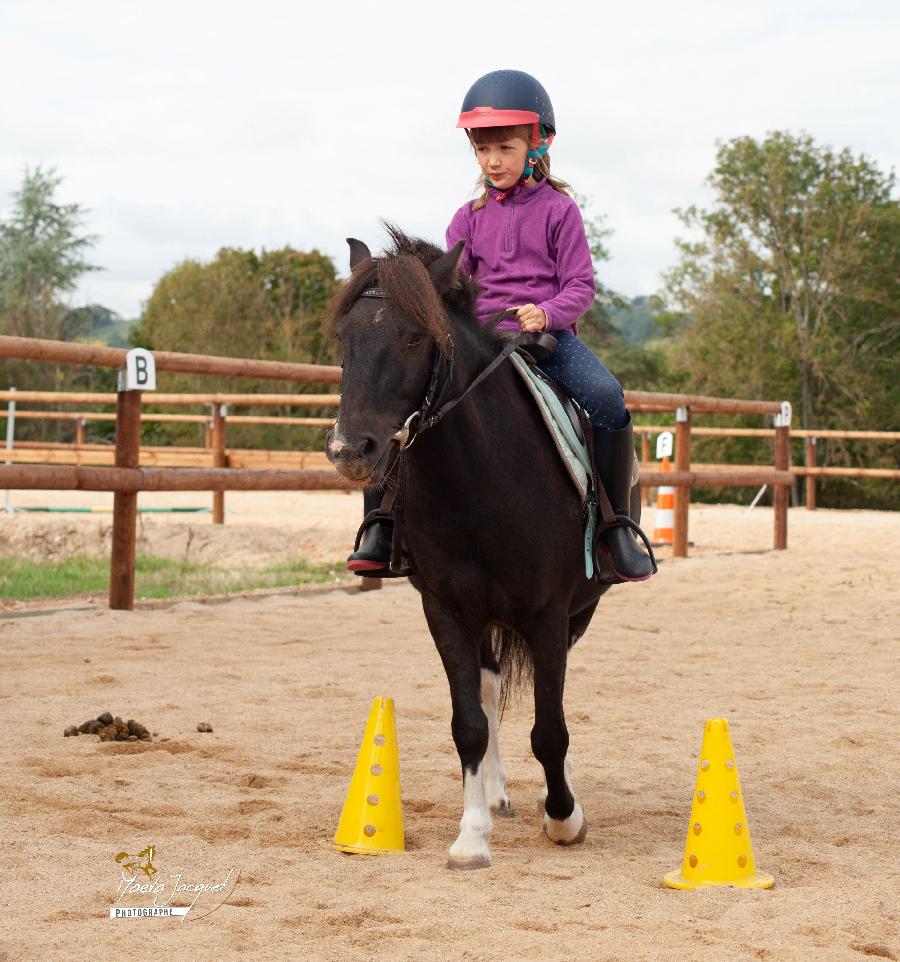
{"x":488,"y":117}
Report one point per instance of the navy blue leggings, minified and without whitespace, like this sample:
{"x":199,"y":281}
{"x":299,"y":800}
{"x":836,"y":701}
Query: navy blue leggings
{"x":585,"y":378}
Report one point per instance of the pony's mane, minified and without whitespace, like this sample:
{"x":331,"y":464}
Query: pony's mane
{"x":402,"y":273}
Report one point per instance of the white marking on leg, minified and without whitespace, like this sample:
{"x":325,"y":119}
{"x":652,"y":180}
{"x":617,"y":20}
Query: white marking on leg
{"x":494,"y":772}
{"x":569,"y":830}
{"x":471,"y":849}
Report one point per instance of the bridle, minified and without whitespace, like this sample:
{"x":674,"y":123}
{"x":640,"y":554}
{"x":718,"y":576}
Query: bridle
{"x":422,"y":419}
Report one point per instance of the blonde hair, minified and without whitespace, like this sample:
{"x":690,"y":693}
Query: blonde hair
{"x":496,"y":135}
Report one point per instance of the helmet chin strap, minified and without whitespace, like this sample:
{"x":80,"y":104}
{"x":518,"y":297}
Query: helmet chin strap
{"x":540,"y":144}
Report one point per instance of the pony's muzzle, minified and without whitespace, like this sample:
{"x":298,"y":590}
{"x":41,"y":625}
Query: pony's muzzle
{"x":355,"y":459}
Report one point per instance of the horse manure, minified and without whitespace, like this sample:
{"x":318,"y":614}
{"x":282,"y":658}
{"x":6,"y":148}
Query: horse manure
{"x":204,"y":727}
{"x":111,"y":729}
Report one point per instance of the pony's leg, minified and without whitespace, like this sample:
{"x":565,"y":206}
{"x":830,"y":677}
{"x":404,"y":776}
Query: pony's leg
{"x":578,"y":624}
{"x":494,"y":772}
{"x":459,"y":653}
{"x":564,"y":821}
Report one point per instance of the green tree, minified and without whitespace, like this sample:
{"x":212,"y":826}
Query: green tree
{"x":267,"y":305}
{"x":790,"y":285}
{"x":42,"y":253}
{"x":42,"y":258}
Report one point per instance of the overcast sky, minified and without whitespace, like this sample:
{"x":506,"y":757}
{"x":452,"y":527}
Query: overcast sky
{"x":187,"y":126}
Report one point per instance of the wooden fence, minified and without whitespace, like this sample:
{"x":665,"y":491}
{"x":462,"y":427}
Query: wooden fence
{"x":809,"y":470}
{"x":126,"y":477}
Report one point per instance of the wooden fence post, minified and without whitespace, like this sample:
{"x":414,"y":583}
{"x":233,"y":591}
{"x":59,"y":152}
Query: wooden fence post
{"x":782,"y":463}
{"x":682,"y":494}
{"x":645,"y":459}
{"x":79,"y":432}
{"x":220,"y":412}
{"x":124,"y":529}
{"x":138,"y":375}
{"x":810,"y":479}
{"x":10,"y":439}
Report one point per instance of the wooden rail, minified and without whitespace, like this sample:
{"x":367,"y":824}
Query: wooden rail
{"x":127,"y":477}
{"x":809,"y":436}
{"x":35,"y":349}
{"x":130,"y":480}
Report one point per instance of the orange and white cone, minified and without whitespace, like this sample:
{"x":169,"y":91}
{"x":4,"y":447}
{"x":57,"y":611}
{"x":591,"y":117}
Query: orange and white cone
{"x":664,"y":525}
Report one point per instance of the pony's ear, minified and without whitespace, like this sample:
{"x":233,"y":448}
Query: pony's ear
{"x":445,"y":270}
{"x":358,"y":251}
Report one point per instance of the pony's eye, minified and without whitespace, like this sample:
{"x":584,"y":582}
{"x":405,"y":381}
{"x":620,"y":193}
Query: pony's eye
{"x":414,"y":340}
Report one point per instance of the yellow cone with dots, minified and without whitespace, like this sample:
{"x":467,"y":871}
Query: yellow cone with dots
{"x":718,"y":849}
{"x":372,"y":819}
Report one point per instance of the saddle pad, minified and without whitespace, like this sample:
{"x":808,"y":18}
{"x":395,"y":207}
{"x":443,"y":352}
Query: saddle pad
{"x":573,"y":453}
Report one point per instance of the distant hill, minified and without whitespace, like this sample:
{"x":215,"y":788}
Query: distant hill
{"x":636,"y":322}
{"x":98,"y":324}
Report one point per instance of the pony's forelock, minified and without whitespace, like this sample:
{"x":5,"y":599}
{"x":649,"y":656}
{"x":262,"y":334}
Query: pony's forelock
{"x":402,"y":273}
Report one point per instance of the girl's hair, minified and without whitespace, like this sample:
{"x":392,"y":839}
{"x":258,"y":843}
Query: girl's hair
{"x":496,"y":135}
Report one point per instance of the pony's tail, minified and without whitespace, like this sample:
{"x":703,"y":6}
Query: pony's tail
{"x":512,"y":658}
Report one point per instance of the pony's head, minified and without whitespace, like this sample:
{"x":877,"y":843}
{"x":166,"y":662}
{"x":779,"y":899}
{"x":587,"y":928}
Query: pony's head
{"x":391,"y":318}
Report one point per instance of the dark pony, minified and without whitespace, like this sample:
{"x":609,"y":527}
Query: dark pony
{"x":492,"y":525}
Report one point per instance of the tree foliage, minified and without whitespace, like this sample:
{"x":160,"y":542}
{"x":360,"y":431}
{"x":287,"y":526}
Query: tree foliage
{"x":790,"y":288}
{"x":42,"y":258}
{"x":269,"y":306}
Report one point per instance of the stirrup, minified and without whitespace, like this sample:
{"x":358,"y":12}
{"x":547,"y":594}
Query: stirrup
{"x":623,"y":521}
{"x":388,"y":570}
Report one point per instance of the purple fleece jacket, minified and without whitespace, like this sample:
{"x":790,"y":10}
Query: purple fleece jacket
{"x":530,"y":248}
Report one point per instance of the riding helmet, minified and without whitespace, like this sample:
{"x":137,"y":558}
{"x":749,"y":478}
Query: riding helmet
{"x":506,"y":97}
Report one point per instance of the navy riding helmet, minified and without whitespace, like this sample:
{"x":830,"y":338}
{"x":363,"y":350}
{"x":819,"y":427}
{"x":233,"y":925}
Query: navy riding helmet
{"x":504,"y":98}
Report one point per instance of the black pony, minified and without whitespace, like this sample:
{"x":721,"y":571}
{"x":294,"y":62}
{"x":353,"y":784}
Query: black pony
{"x":492,"y":524}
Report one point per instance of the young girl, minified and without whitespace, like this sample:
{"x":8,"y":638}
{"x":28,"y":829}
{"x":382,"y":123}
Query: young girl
{"x":525,"y":244}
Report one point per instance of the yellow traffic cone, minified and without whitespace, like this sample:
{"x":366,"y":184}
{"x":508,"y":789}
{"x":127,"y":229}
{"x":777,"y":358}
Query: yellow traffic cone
{"x":718,"y":849}
{"x":372,"y":819}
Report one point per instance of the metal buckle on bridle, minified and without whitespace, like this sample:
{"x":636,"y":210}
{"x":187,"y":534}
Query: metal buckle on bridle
{"x":402,"y":437}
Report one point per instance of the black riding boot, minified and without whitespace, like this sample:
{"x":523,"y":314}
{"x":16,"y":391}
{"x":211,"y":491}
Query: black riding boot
{"x":614,"y":453}
{"x":374,"y":553}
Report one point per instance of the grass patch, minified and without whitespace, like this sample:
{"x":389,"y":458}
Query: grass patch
{"x":155,"y":577}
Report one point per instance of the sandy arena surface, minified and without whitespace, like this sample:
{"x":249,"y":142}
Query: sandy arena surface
{"x":798,"y":649}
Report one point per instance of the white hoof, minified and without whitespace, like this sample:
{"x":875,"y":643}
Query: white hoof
{"x":569,"y":831}
{"x":469,"y":852}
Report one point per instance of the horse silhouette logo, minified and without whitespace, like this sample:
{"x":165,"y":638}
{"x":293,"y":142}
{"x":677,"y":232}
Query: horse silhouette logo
{"x":136,"y":865}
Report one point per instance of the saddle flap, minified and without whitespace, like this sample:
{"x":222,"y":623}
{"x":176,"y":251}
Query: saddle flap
{"x":570,"y":447}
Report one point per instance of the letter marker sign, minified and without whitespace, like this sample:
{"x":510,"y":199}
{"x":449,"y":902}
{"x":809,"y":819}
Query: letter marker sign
{"x":139,"y":373}
{"x":664,"y":445}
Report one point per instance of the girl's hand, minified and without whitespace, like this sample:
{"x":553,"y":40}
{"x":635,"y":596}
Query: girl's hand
{"x":531,"y":318}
